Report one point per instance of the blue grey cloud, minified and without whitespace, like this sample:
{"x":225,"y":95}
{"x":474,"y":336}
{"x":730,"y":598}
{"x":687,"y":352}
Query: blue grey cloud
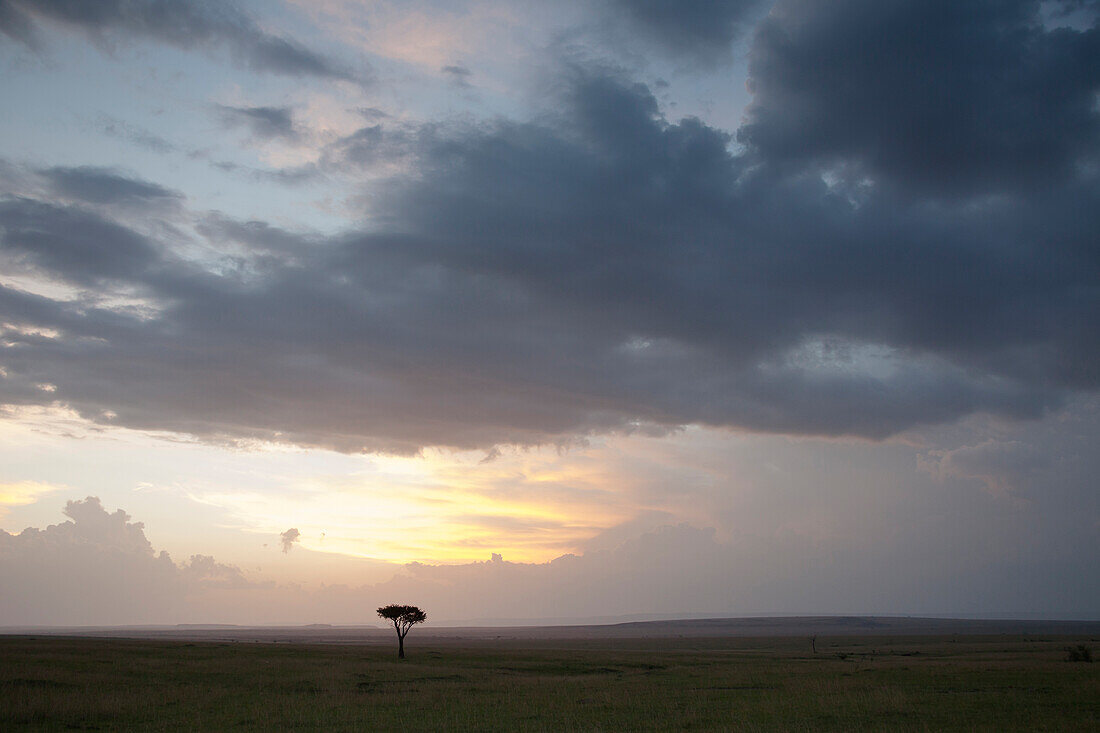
{"x":940,"y":97}
{"x":180,"y":23}
{"x":458,"y":75}
{"x":264,"y":123}
{"x":105,"y":186}
{"x":605,"y":268}
{"x":703,"y":30}
{"x":73,"y":243}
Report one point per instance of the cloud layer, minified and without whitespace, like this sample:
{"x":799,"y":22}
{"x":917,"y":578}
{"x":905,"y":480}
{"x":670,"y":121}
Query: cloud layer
{"x":182,"y":23}
{"x":98,"y":568}
{"x":901,"y":234}
{"x":702,"y":30}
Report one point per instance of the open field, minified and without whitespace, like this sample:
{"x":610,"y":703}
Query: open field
{"x":768,"y":626}
{"x":986,"y":682}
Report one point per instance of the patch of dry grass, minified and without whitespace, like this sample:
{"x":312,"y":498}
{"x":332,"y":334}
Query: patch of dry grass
{"x":853,"y":684}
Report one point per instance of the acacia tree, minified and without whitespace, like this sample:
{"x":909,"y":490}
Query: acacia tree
{"x":403,"y":618}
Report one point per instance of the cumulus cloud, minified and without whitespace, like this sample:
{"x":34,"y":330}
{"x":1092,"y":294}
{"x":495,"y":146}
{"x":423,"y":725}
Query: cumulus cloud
{"x":183,"y":23}
{"x":98,"y":568}
{"x":101,"y":569}
{"x":288,"y":539}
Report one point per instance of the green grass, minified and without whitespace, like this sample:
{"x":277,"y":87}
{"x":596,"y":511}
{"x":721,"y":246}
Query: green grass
{"x":993,"y":683}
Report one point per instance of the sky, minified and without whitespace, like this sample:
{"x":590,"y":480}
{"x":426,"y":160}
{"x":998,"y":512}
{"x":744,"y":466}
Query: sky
{"x":545,"y":312}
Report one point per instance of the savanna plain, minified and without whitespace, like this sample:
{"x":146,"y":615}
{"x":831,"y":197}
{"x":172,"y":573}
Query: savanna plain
{"x":857,"y":683}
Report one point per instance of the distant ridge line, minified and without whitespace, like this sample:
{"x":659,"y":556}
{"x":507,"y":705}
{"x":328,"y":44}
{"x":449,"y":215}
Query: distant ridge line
{"x":758,"y":626}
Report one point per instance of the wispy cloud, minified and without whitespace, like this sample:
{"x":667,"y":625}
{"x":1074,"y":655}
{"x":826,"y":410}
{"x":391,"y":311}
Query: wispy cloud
{"x":184,"y":24}
{"x":21,"y":493}
{"x":264,"y":123}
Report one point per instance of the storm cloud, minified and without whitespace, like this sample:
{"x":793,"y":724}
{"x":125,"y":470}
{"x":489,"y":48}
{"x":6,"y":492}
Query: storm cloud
{"x":903,"y":236}
{"x":943,"y":99}
{"x":702,"y":30}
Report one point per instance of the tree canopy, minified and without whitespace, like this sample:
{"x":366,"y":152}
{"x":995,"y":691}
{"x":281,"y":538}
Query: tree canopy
{"x":403,"y":618}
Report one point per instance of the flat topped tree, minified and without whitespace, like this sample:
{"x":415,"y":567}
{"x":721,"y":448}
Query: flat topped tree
{"x":403,"y":618}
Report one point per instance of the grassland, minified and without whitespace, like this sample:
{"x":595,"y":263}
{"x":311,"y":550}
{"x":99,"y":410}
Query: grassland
{"x":989,"y":683}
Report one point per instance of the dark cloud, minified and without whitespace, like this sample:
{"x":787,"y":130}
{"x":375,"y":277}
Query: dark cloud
{"x":264,"y":123}
{"x":458,"y":75}
{"x":15,"y":24}
{"x":604,"y":268}
{"x":106,"y":186}
{"x":374,"y":146}
{"x":703,"y":30}
{"x":943,"y":97}
{"x":288,"y":538}
{"x":258,"y":239}
{"x":73,"y":243}
{"x":181,"y":23}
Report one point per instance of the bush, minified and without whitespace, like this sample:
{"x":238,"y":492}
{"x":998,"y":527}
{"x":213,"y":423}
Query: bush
{"x":1079,"y":653}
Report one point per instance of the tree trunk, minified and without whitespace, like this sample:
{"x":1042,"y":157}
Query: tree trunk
{"x":400,"y":646}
